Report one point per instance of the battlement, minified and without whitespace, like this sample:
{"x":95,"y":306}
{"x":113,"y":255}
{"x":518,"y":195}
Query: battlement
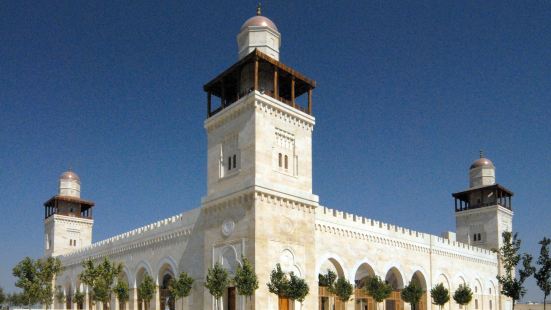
{"x":180,"y":221}
{"x":354,"y":224}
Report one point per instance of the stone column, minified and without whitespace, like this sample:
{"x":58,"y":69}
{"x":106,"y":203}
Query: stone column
{"x":86,"y":304}
{"x":133,"y":300}
{"x":157,"y":299}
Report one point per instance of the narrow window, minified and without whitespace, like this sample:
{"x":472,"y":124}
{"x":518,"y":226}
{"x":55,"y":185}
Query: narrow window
{"x":280,"y":159}
{"x":70,"y":241}
{"x":229,"y":163}
{"x":474,"y":237}
{"x":490,"y":305}
{"x":286,"y":162}
{"x":74,"y":242}
{"x":476,"y":303}
{"x":234,"y":160}
{"x":490,"y":290}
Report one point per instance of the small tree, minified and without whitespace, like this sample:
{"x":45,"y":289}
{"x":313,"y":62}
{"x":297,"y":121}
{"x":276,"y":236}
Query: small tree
{"x":343,"y":289}
{"x":101,"y":279}
{"x":279,"y":283}
{"x":181,"y":287}
{"x":327,"y":280}
{"x":146,"y":290}
{"x":245,"y":279}
{"x":59,"y":295}
{"x":2,"y":297}
{"x":412,"y":294}
{"x":543,"y":274}
{"x":509,"y":257}
{"x":122,"y":292}
{"x":35,"y":278}
{"x":378,"y":289}
{"x":440,"y":295}
{"x":217,"y":281}
{"x":463,"y":295}
{"x":79,"y":297}
{"x":297,"y":289}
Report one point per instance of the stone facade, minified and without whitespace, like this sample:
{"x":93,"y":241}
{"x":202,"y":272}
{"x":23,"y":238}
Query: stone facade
{"x":260,"y":205}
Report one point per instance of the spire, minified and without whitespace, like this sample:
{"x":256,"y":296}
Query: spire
{"x":259,"y":9}
{"x":481,"y":154}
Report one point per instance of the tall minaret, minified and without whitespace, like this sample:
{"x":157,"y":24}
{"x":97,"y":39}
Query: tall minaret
{"x":484,"y":211}
{"x":259,"y":202}
{"x":68,"y":219}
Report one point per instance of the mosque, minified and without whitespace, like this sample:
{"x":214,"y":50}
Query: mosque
{"x":259,"y":204}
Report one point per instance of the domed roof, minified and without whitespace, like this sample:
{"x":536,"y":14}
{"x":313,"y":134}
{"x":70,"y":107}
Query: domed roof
{"x":482,"y":162}
{"x":69,"y":175}
{"x":260,"y":21}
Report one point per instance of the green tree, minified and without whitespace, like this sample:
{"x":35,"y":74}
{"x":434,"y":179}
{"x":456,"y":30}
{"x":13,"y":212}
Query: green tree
{"x":79,"y":297}
{"x":59,"y":295}
{"x":101,"y":279}
{"x":327,"y":280}
{"x":35,"y":278}
{"x":279,"y":283}
{"x":146,"y":290}
{"x":510,"y":257}
{"x":181,"y":287}
{"x":122,"y":292}
{"x":377,"y":288}
{"x":463,"y":295}
{"x":245,"y":279}
{"x":2,"y":296}
{"x":412,"y":294}
{"x":543,"y":274}
{"x":16,"y":300}
{"x":440,"y":295}
{"x":217,"y":281}
{"x":297,"y":289}
{"x":343,"y":289}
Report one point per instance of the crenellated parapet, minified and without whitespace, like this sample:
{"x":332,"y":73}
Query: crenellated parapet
{"x":154,"y":234}
{"x":352,"y":226}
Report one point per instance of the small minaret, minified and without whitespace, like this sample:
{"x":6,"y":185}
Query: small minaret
{"x":484,"y":211}
{"x":259,"y":32}
{"x":68,"y":219}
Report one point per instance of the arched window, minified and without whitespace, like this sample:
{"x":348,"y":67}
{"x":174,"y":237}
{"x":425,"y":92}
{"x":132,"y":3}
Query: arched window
{"x":229,"y":163}
{"x":286,"y":162}
{"x":280,"y":159}
{"x":476,"y":303}
{"x":490,"y":304}
{"x":234,"y":160}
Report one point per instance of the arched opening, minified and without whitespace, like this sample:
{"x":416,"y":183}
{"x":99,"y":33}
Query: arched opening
{"x":328,"y":300}
{"x":446,"y":283}
{"x":492,"y":296}
{"x":166,"y":276}
{"x":396,"y":281}
{"x":68,"y":295}
{"x":140,"y":276}
{"x":363,"y":300}
{"x":459,"y":281}
{"x":80,"y":288}
{"x":419,"y":279}
{"x":230,"y":263}
{"x":123,"y":277}
{"x":477,"y":295}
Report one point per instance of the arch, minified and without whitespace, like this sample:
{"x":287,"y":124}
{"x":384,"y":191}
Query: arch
{"x":142,"y":268}
{"x":362,"y":271}
{"x":395,"y":279}
{"x":358,"y":265}
{"x":333,"y":262}
{"x":228,"y":259}
{"x":170,"y":262}
{"x":459,"y":280}
{"x":288,"y":263}
{"x":166,"y":276}
{"x":442,"y":278}
{"x":419,"y":279}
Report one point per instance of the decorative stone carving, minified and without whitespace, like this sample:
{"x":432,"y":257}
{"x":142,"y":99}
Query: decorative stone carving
{"x":228,"y":226}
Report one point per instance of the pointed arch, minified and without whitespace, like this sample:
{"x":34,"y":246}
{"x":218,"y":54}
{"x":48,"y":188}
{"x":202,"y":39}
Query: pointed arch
{"x":395,"y":278}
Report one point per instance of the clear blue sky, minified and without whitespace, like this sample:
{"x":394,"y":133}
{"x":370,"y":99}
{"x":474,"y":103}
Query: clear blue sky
{"x":407,"y":95}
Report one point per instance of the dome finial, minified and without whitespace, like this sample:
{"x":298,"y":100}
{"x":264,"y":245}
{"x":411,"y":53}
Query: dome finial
{"x":481,"y":154}
{"x":259,"y":9}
